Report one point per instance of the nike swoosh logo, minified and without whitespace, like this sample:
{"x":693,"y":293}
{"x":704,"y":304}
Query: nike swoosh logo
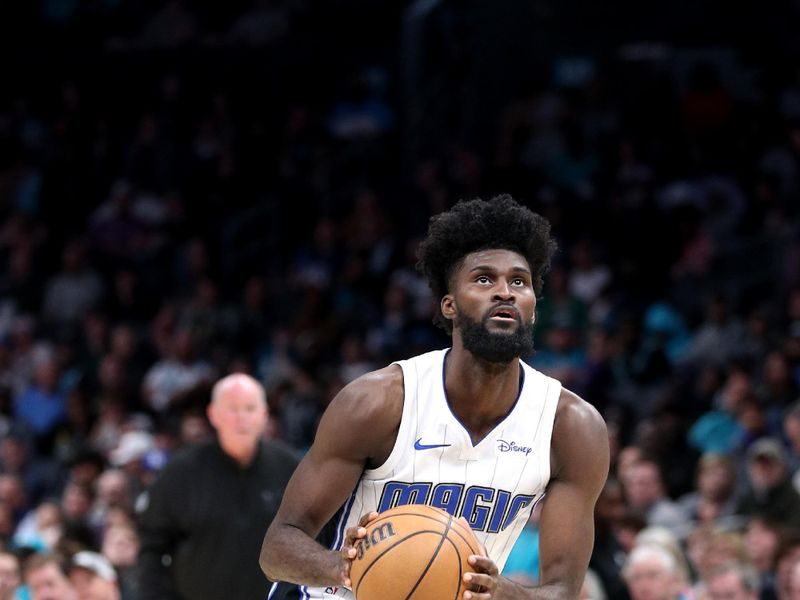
{"x":418,"y":445}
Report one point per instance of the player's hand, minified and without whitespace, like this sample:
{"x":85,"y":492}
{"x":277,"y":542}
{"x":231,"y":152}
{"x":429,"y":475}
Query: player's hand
{"x":349,"y":551}
{"x":482,"y":584}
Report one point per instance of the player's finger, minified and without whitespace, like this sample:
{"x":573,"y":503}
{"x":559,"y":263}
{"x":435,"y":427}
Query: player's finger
{"x":355,"y":533}
{"x":371,"y":516}
{"x":483,"y":564}
{"x":478,"y":582}
{"x":470,"y":595}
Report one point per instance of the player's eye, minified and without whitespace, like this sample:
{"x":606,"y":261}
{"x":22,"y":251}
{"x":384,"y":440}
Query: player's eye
{"x":482,"y":279}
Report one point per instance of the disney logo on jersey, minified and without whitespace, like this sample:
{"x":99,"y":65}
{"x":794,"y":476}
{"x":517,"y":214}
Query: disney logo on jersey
{"x":504,"y":446}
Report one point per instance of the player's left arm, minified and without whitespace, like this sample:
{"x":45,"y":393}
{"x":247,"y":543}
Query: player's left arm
{"x":579,"y":468}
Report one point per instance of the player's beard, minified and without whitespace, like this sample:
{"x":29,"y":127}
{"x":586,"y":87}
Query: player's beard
{"x":495,"y":347}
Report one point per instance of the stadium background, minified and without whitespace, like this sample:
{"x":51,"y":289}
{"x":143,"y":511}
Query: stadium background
{"x":188,"y":189}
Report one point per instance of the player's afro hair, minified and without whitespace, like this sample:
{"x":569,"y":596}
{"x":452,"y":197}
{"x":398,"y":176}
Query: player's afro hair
{"x":474,"y":225}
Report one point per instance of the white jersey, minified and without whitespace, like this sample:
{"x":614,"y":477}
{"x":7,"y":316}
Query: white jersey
{"x":494,"y":484}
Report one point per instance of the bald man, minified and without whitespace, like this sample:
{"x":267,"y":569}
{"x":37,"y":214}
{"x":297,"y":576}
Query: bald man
{"x":205,"y":515}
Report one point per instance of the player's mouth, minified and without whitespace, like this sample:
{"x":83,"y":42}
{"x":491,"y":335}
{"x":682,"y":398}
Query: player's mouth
{"x":504,"y":314}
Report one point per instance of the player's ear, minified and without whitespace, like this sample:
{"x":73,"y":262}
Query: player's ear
{"x":448,"y":306}
{"x":211,"y":414}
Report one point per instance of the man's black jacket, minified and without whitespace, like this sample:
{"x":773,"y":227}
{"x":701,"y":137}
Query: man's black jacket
{"x":202,"y":523}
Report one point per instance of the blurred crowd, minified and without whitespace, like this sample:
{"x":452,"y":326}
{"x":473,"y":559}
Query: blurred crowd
{"x":158,"y":232}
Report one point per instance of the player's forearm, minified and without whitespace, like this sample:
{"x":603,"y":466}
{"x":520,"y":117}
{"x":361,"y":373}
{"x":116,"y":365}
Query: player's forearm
{"x":289,"y":554}
{"x":510,"y":590}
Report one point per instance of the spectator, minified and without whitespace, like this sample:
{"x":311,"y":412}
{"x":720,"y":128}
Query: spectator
{"x":588,"y":278}
{"x":85,"y":465}
{"x":93,"y":577}
{"x":14,"y":496}
{"x":40,"y":475}
{"x":46,"y":578}
{"x":175,"y":373}
{"x":651,"y":573}
{"x":114,"y":490}
{"x":42,"y":406}
{"x":762,"y":542}
{"x":76,"y":501}
{"x":788,"y":558}
{"x":74,"y":291}
{"x":645,"y":492}
{"x":793,"y":585}
{"x":718,"y":430}
{"x":608,"y":555}
{"x":626,"y":459}
{"x":135,"y":456}
{"x":732,"y":582}
{"x":718,"y":336}
{"x":779,"y":388}
{"x":592,"y":587}
{"x":770,"y":491}
{"x":561,"y":357}
{"x":108,"y":425}
{"x":791,"y":430}
{"x":42,"y":528}
{"x":715,"y":498}
{"x":10,"y":576}
{"x":559,"y":305}
{"x":120,"y":545}
{"x":234,"y":486}
{"x":664,"y":538}
{"x":709,"y":548}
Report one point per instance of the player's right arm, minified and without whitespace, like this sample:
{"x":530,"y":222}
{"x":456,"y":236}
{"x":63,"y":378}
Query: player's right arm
{"x":357,"y":431}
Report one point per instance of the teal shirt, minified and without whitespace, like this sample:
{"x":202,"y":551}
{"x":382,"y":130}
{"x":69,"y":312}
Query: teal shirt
{"x":524,"y":557}
{"x":715,"y":431}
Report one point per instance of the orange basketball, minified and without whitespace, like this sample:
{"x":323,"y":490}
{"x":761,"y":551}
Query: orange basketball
{"x":413,"y":552}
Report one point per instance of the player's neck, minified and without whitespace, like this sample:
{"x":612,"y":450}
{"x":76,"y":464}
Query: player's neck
{"x":480,"y":393}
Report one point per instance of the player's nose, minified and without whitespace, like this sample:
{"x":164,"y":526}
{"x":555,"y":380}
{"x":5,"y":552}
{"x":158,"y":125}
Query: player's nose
{"x":503,"y":291}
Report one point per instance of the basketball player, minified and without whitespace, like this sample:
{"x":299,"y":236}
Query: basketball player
{"x":471,"y":429}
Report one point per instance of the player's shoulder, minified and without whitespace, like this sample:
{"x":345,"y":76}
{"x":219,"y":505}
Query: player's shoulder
{"x":376,"y":386}
{"x":362,"y":417}
{"x":375,"y":400}
{"x":580,"y":439}
{"x":577,"y":415}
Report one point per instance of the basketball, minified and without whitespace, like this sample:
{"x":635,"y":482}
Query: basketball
{"x":413,"y":552}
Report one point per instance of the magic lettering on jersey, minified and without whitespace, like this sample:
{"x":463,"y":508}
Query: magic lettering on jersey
{"x":484,"y":508}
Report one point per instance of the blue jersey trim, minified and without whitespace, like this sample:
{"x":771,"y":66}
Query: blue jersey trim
{"x":447,"y":402}
{"x":340,"y":528}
